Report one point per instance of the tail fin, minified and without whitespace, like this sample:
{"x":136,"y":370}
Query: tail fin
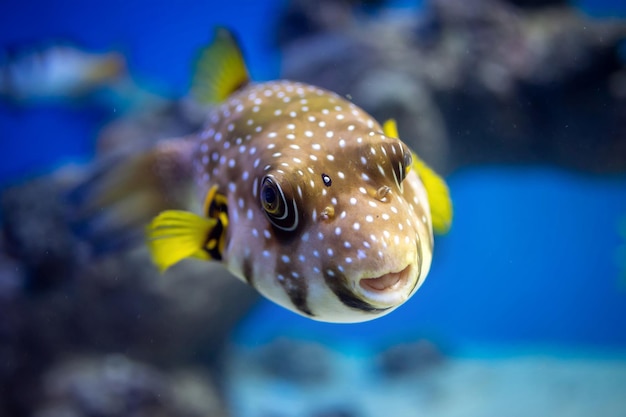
{"x":122,"y":195}
{"x":221,"y":69}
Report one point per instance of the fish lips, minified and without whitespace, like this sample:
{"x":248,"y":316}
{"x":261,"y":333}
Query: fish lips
{"x":389,"y":289}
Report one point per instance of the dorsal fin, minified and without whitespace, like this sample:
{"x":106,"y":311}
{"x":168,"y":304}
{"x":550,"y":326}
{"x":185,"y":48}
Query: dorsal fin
{"x":220,"y":70}
{"x":436,"y":188}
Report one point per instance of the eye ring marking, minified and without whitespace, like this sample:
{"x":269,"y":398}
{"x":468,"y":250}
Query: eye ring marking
{"x":280,"y":210}
{"x":269,"y":196}
{"x":327,"y":180}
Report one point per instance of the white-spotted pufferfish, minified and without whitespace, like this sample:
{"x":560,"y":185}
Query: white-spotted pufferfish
{"x":306,"y":197}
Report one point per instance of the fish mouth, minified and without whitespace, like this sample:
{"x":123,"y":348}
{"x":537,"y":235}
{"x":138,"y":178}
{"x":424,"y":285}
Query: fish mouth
{"x":388,"y":289}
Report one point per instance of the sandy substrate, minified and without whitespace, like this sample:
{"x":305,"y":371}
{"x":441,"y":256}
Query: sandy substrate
{"x":510,"y":386}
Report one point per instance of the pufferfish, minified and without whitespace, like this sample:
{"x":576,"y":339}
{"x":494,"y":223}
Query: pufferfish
{"x":299,"y":193}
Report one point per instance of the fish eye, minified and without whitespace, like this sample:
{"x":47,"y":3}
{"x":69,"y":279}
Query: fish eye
{"x":401,"y":164}
{"x":407,"y":161}
{"x":327,"y":181}
{"x":269,"y":196}
{"x":280,"y":209}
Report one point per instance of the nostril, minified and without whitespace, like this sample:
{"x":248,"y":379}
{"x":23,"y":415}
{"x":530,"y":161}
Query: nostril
{"x":328,"y":213}
{"x":382,"y":192}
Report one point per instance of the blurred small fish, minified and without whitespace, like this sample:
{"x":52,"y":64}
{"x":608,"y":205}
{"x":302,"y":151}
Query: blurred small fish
{"x":56,"y":72}
{"x":301,"y":194}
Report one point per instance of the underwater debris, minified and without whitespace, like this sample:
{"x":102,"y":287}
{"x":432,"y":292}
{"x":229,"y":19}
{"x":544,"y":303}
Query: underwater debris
{"x":481,"y":81}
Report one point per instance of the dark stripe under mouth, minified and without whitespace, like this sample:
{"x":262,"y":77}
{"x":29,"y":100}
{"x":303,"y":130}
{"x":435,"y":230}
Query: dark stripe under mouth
{"x":338,"y":284}
{"x":247,"y":270}
{"x":297,"y":290}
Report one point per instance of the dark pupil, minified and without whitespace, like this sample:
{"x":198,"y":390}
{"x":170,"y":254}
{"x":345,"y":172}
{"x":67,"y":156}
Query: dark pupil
{"x":269,"y":196}
{"x":408,"y":160}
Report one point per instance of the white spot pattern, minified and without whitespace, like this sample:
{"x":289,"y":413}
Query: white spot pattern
{"x":269,"y":129}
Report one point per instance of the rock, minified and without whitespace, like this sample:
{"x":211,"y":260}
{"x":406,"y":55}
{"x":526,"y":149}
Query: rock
{"x":410,"y":359}
{"x":56,"y":300}
{"x":12,"y":276}
{"x":340,"y":411}
{"x":302,"y":18}
{"x":481,"y":81}
{"x":35,"y":231}
{"x":295,"y":361}
{"x":115,"y":386}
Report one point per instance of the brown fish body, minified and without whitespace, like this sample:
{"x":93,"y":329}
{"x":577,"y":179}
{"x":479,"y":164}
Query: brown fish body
{"x":356,"y":240}
{"x":305,"y":196}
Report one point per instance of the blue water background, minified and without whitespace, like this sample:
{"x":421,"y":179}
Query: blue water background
{"x":531,"y":261}
{"x":534,"y":254}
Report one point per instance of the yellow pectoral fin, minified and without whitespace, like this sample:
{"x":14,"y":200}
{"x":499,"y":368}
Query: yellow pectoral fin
{"x":436,"y":188}
{"x":438,"y":196}
{"x":220,"y":70}
{"x":390,"y":129}
{"x":175,"y":235}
